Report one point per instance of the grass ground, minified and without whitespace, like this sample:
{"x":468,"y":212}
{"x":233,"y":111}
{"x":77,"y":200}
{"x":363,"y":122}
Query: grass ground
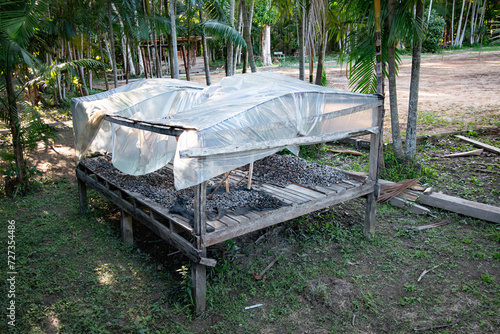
{"x":75,"y":276}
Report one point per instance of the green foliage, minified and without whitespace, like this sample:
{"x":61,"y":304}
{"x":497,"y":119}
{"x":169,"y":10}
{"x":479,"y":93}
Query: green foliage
{"x":433,"y":32}
{"x":400,"y":169}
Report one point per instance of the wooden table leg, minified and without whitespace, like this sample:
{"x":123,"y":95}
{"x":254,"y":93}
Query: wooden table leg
{"x":126,"y":228}
{"x":199,"y":271}
{"x":82,"y":196}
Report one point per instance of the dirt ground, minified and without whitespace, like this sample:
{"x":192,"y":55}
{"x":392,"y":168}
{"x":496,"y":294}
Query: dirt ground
{"x":458,"y":91}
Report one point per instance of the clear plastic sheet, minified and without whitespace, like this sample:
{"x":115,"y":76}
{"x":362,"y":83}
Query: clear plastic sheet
{"x":249,"y":108}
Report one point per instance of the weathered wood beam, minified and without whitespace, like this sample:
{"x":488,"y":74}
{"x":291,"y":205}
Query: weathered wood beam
{"x":272,"y":144}
{"x":459,"y":205}
{"x":163,"y":129}
{"x":127,"y":233}
{"x":199,"y":271}
{"x":482,"y":145}
{"x":161,"y":230}
{"x":286,"y":213}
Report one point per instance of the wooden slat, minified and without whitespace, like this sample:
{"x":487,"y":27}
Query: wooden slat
{"x":272,"y":144}
{"x":482,"y":145}
{"x":305,"y":191}
{"x":285,"y":213}
{"x":161,"y":230}
{"x":462,"y":206}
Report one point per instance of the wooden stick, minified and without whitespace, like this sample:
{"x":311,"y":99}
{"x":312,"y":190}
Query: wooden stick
{"x":441,"y":223}
{"x":464,"y":154}
{"x":269,"y":266}
{"x":346,"y":152}
{"x":250,"y":173}
{"x":220,"y":184}
{"x":226,"y":175}
{"x":478,"y":143}
{"x":426,"y":271}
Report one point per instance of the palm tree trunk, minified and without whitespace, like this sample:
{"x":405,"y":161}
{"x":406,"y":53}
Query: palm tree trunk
{"x":465,"y":25}
{"x":459,"y":30}
{"x":112,"y":44}
{"x":266,"y":45}
{"x":452,"y":24}
{"x":175,"y":61}
{"x":393,"y":96}
{"x":411,"y":130}
{"x":230,"y":45}
{"x":15,"y":126}
{"x":206,"y":62}
{"x":247,"y":31}
{"x":321,"y":57}
{"x":311,"y":62}
{"x":302,"y":47}
{"x":237,"y":51}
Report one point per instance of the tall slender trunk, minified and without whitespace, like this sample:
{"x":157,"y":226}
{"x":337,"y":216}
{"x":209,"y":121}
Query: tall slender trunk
{"x":230,"y":45}
{"x":462,"y":35}
{"x":302,"y":47}
{"x":266,"y":45}
{"x":459,"y":30}
{"x":206,"y":62}
{"x":247,"y":31}
{"x":80,"y":73}
{"x":311,"y":61}
{"x":237,"y":51}
{"x":15,"y":126}
{"x":321,"y":57}
{"x":393,"y":96}
{"x":99,"y":42}
{"x":452,"y":24}
{"x":429,"y":14}
{"x":411,"y":129}
{"x":175,"y":61}
{"x":112,"y":44}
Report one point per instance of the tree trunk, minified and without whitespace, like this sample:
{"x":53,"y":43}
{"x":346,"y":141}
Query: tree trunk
{"x":186,"y":65}
{"x":411,"y":130}
{"x":206,"y":62}
{"x":393,"y":96}
{"x":230,"y":46}
{"x":452,"y":24}
{"x":80,"y":73}
{"x":15,"y":127}
{"x":266,"y":45}
{"x":99,"y":42}
{"x":175,"y":61}
{"x":465,"y":26}
{"x":112,"y":44}
{"x":459,"y":30}
{"x":302,"y":46}
{"x":247,"y":31}
{"x":311,"y":62}
{"x":237,"y":51}
{"x":321,"y":57}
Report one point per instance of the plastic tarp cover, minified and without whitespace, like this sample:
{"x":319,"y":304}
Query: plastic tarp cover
{"x":249,"y":108}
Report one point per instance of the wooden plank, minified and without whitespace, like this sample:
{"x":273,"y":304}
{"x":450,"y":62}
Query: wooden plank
{"x":482,"y":145}
{"x":199,"y":271}
{"x":82,"y":196}
{"x":413,"y":207}
{"x":163,"y":129}
{"x":285,"y":213}
{"x":465,"y":154}
{"x":271,"y":144}
{"x":161,"y":230}
{"x":127,"y":233}
{"x":462,"y":206}
{"x":305,"y":191}
{"x":280,"y":193}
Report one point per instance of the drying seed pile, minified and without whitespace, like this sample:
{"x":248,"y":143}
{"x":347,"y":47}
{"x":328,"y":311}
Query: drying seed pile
{"x":283,"y":170}
{"x":159,"y":186}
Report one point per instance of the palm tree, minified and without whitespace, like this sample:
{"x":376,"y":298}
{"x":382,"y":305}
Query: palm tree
{"x":19,"y":22}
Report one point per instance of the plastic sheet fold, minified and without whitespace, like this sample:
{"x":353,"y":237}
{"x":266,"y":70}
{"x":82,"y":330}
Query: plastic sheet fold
{"x":249,"y":108}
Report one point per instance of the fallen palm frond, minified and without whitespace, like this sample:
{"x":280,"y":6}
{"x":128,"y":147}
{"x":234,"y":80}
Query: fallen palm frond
{"x":395,"y":189}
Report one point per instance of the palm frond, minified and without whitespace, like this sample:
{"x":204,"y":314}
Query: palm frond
{"x":224,"y":31}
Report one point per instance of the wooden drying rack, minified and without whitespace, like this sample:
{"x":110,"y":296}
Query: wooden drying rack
{"x":193,"y":240}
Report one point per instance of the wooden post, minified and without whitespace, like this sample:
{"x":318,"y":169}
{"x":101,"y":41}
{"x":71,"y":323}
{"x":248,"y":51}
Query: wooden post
{"x":82,"y":195}
{"x":199,"y":271}
{"x":371,"y":199}
{"x":250,"y":174}
{"x":126,"y":228}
